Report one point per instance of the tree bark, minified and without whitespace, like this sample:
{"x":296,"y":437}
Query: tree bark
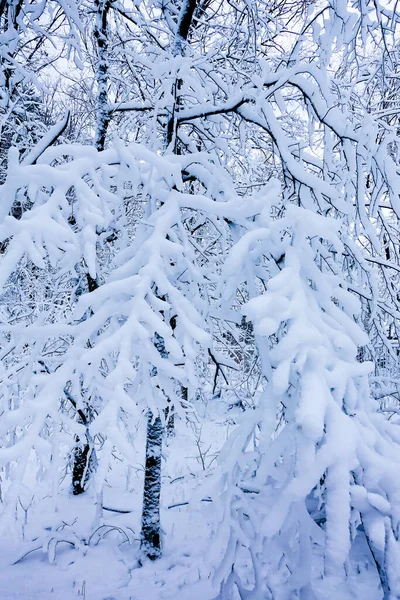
{"x":150,"y":535}
{"x":84,"y":465}
{"x":101,"y":38}
{"x":150,"y":543}
{"x":85,"y":459}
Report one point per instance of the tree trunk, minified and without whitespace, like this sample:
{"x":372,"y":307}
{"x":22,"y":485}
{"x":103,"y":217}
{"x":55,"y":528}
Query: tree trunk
{"x":170,"y":420}
{"x":84,"y":465}
{"x":84,"y":456}
{"x":150,"y":535}
{"x":150,"y":544}
{"x":101,"y":39}
{"x":85,"y":461}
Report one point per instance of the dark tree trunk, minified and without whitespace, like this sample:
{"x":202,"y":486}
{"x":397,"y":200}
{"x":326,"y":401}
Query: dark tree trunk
{"x":150,"y":536}
{"x":84,"y":465}
{"x":101,"y":39}
{"x":85,"y":459}
{"x":170,"y":421}
{"x":170,"y":413}
{"x":150,"y":544}
{"x":84,"y":455}
{"x":182,"y":31}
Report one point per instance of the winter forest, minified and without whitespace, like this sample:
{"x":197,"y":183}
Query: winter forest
{"x":199,"y":299}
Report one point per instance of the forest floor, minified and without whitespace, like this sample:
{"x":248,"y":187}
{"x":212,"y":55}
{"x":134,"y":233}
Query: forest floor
{"x":42,"y":555}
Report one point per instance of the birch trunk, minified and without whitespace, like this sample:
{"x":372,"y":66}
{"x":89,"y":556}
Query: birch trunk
{"x":150,"y":536}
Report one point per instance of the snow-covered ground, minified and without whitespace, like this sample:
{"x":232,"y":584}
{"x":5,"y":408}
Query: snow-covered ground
{"x":66,"y":554}
{"x":63,"y":552}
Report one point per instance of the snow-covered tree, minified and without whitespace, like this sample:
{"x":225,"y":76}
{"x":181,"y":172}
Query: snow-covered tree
{"x":255,"y":190}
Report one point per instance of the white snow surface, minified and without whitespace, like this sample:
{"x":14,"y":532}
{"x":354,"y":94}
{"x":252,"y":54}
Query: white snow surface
{"x":44,"y":565}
